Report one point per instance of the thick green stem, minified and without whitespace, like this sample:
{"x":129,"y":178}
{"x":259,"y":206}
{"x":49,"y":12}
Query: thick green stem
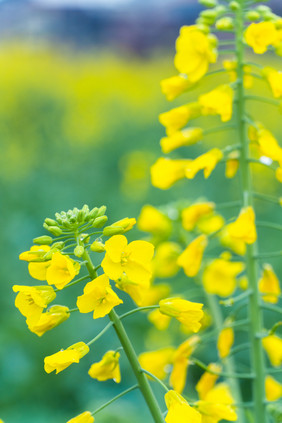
{"x":255,"y":314}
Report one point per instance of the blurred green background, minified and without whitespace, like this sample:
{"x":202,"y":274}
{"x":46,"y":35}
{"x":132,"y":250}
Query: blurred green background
{"x":78,"y":124}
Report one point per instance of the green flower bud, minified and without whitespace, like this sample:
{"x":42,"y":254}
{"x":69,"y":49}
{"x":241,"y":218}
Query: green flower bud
{"x":220,"y":10}
{"x":78,"y":251}
{"x":234,"y":5}
{"x":99,"y":221}
{"x":97,"y":247}
{"x":85,"y":238}
{"x":54,"y":230}
{"x":203,"y":28}
{"x":113,"y":230}
{"x":208,"y":3}
{"x":209,"y":16}
{"x":43,"y":240}
{"x":101,"y":211}
{"x":59,"y":245}
{"x":94,"y":212}
{"x":59,"y":218}
{"x":263,"y":9}
{"x":51,"y":222}
{"x":252,"y":16}
{"x":203,"y":22}
{"x":224,"y":24}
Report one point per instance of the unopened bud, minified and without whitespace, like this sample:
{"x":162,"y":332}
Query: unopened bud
{"x":209,"y":15}
{"x":224,"y":24}
{"x":208,"y":3}
{"x":59,"y":245}
{"x":99,"y":221}
{"x":97,"y":247}
{"x":252,"y":16}
{"x":43,"y":240}
{"x":54,"y":230}
{"x":234,"y":5}
{"x":94,"y":212}
{"x":101,"y":211}
{"x":113,"y":230}
{"x":51,"y":222}
{"x":78,"y":251}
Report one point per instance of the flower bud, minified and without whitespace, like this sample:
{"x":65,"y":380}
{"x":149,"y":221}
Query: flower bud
{"x":99,"y":221}
{"x":209,"y":15}
{"x":224,"y":24}
{"x":78,"y":251}
{"x":43,"y":240}
{"x":85,"y":238}
{"x":113,"y":230}
{"x":54,"y":230}
{"x":51,"y":222}
{"x":101,"y":211}
{"x":94,"y":212}
{"x":234,"y":5}
{"x":208,"y":3}
{"x":97,"y":247}
{"x":252,"y":16}
{"x":59,"y":218}
{"x":58,"y":245}
{"x":202,"y":27}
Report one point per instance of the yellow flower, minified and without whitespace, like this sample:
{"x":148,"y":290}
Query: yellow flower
{"x":64,"y":358}
{"x":269,"y":146}
{"x":273,"y":347}
{"x":107,"y":368}
{"x":244,"y":228}
{"x":269,"y":284}
{"x":53,"y":317}
{"x":220,"y":276}
{"x":60,"y":271}
{"x":98,"y":296}
{"x":207,"y":380}
{"x":157,"y":362}
{"x":210,"y":223}
{"x":191,"y":258}
{"x":217,"y":405}
{"x":179,"y":411}
{"x":37,"y":268}
{"x":231,"y":67}
{"x":31,"y":301}
{"x":165,"y":172}
{"x":273,"y":389}
{"x":232,"y":165}
{"x":154,"y":221}
{"x":218,"y":102}
{"x":85,"y":417}
{"x":155,"y":293}
{"x":181,"y":361}
{"x":225,"y":341}
{"x":133,"y":259}
{"x":206,"y":161}
{"x":278,"y":174}
{"x":261,"y":35}
{"x":165,"y":261}
{"x":119,"y":227}
{"x":183,"y":138}
{"x":135,"y":290}
{"x":174,"y":86}
{"x":194,"y":53}
{"x":159,"y":320}
{"x":186,"y":312}
{"x":192,"y":214}
{"x":177,"y":118}
{"x":274,"y":79}
{"x":236,"y":245}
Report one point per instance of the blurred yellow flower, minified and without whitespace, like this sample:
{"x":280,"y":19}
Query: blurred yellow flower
{"x":64,"y":358}
{"x":155,"y":293}
{"x":186,"y":312}
{"x":206,"y":162}
{"x":180,"y":362}
{"x":231,"y":67}
{"x":183,"y":138}
{"x":179,"y":411}
{"x":210,"y":223}
{"x":174,"y":86}
{"x":269,"y":284}
{"x":274,"y":79}
{"x":278,"y":174}
{"x":31,"y":301}
{"x":261,"y":35}
{"x":273,"y":347}
{"x":244,"y":228}
{"x":133,"y":259}
{"x":273,"y":389}
{"x":217,"y":405}
{"x":60,"y":271}
{"x":38,"y":268}
{"x":85,"y":417}
{"x":159,"y":320}
{"x":268,"y":145}
{"x":136,"y":290}
{"x":225,"y":342}
{"x":218,"y":102}
{"x":53,"y":317}
{"x":165,"y":260}
{"x":220,"y":276}
{"x":157,"y":362}
{"x":99,"y":297}
{"x":107,"y":368}
{"x":236,"y":245}
{"x":154,"y":221}
{"x":191,"y":258}
{"x":192,"y":214}
{"x":165,"y":172}
{"x":176,"y":118}
{"x":207,"y":380}
{"x":194,"y":52}
{"x":232,"y":164}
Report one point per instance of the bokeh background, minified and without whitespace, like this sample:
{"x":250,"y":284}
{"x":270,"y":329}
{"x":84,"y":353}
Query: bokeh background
{"x":79,"y":100}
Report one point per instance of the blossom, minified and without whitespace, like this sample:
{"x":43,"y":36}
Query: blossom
{"x":180,"y":362}
{"x":206,"y":161}
{"x":157,"y":362}
{"x":37,"y":267}
{"x":154,"y":221}
{"x":194,"y":52}
{"x":210,"y":223}
{"x":220,"y":276}
{"x":225,"y":341}
{"x":85,"y":417}
{"x":274,"y":78}
{"x":183,"y":138}
{"x":64,"y":358}
{"x":119,"y":227}
{"x":273,"y":389}
{"x":217,"y":405}
{"x":174,"y":86}
{"x":273,"y":347}
{"x":98,"y":296}
{"x":208,"y":380}
{"x":165,"y":261}
{"x":192,"y":214}
{"x":269,"y":284}
{"x":31,"y":301}
{"x":107,"y":368}
{"x":177,"y":118}
{"x":165,"y":172}
{"x":191,"y":257}
{"x":232,"y":164}
{"x":268,"y":145}
{"x":186,"y":312}
{"x":236,"y":245}
{"x":179,"y":411}
{"x":133,"y":259}
{"x":60,"y":271}
{"x":155,"y":293}
{"x":159,"y":320}
{"x":261,"y":35}
{"x":231,"y":67}
{"x":244,"y":227}
{"x":53,"y":317}
{"x":135,"y":290}
{"x":218,"y":102}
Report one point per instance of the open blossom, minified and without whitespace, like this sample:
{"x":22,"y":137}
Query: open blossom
{"x":192,"y":214}
{"x":136,"y":290}
{"x":273,"y":389}
{"x":107,"y":368}
{"x":165,"y":261}
{"x":133,"y":259}
{"x":174,"y":86}
{"x":159,"y":320}
{"x":269,"y":284}
{"x":157,"y":362}
{"x":273,"y":347}
{"x":53,"y":317}
{"x":182,"y":138}
{"x":274,"y":79}
{"x":177,"y":118}
{"x":217,"y":405}
{"x":64,"y":358}
{"x":186,"y":312}
{"x":244,"y":228}
{"x":99,"y":297}
{"x":179,"y":411}
{"x":218,"y":102}
{"x":37,"y":268}
{"x":31,"y":301}
{"x":206,"y":162}
{"x":165,"y":172}
{"x":191,"y":258}
{"x":154,"y":221}
{"x":268,"y":145}
{"x":61,"y":270}
{"x":208,"y":380}
{"x":85,"y":417}
{"x":261,"y":35}
{"x":194,"y":52}
{"x":225,"y":341}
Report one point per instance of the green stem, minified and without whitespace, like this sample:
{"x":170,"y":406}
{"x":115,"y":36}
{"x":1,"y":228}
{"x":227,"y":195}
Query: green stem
{"x":219,"y":128}
{"x":271,"y":307}
{"x":251,"y":265}
{"x":100,"y":334}
{"x":156,"y":379}
{"x":136,"y":310}
{"x":263,"y":99}
{"x":271,"y":225}
{"x":114,"y":399}
{"x":223,"y":374}
{"x":264,"y":197}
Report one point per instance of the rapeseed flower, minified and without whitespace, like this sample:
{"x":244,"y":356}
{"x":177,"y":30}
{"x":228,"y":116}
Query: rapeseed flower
{"x":165,"y":260}
{"x":119,"y":227}
{"x":179,"y":411}
{"x":135,"y":290}
{"x":206,"y":162}
{"x":107,"y":368}
{"x":236,"y":245}
{"x":177,"y":118}
{"x":273,"y":389}
{"x":192,"y":214}
{"x":217,"y":405}
{"x":191,"y":258}
{"x":157,"y":362}
{"x":232,"y":164}
{"x":64,"y":358}
{"x":85,"y":417}
{"x":273,"y":347}
{"x":218,"y":102}
{"x":159,"y":320}
{"x":165,"y":172}
{"x":53,"y":317}
{"x":182,"y":138}
{"x":269,"y":284}
{"x":225,"y":341}
{"x":210,"y":223}
{"x":154,"y":221}
{"x":261,"y":35}
{"x":37,"y":267}
{"x":274,"y":79}
{"x":155,"y":293}
{"x":60,"y":271}
{"x":208,"y":380}
{"x":174,"y":86}
{"x":186,"y":312}
{"x":244,"y":228}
